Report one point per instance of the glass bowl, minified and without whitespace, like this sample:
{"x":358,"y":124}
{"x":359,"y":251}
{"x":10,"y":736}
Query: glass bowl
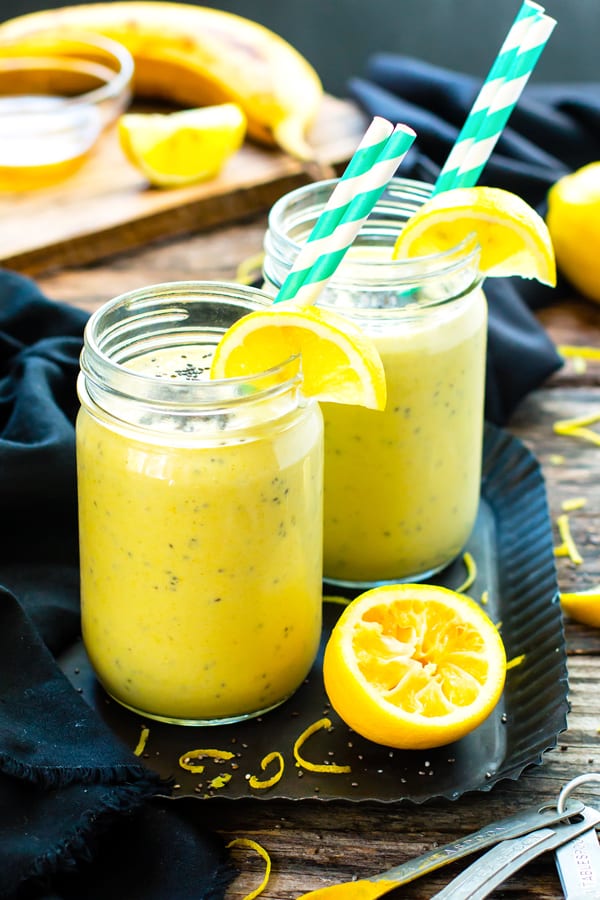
{"x":57,"y":95}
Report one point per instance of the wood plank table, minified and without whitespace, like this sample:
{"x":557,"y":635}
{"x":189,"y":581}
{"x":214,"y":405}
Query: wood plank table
{"x":314,"y":844}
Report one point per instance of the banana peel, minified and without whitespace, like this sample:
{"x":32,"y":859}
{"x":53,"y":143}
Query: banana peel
{"x":196,"y":56}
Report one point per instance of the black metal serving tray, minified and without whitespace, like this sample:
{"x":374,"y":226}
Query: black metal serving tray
{"x":513,"y":549}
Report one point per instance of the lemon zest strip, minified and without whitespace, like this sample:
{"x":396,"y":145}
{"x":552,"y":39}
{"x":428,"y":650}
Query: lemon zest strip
{"x":577,"y":427}
{"x":342,"y":601}
{"x":185,"y":760}
{"x":567,"y":548}
{"x":471,"y":567}
{"x":255,"y":782}
{"x":141,"y":744}
{"x":515,"y":661}
{"x":249,"y":270}
{"x":592,"y":593}
{"x":253,"y":845}
{"x":484,"y":597}
{"x":573,"y":504}
{"x":219,"y":781}
{"x":569,"y":350}
{"x":331,"y":768}
{"x":556,"y":459}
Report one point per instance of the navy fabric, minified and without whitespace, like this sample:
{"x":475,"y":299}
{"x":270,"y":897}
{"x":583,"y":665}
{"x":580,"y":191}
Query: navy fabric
{"x":554,"y":129}
{"x":79,"y":815}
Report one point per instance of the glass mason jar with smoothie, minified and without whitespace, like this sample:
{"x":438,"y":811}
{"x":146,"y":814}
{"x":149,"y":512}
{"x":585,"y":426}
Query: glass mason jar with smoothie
{"x":200,"y":511}
{"x":402,"y":485}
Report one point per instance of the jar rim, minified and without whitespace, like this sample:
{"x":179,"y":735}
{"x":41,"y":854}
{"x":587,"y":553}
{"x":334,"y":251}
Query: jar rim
{"x":103,"y":330}
{"x":369,"y":266}
{"x":411,"y":189}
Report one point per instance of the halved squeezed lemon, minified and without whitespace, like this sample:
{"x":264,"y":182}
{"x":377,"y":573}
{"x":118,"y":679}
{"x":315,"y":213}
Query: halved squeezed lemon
{"x":340,"y":364}
{"x":179,"y":148}
{"x":414,"y":666}
{"x":513,"y":238}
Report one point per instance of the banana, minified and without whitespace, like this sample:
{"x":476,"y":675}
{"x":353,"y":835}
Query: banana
{"x":197,"y":56}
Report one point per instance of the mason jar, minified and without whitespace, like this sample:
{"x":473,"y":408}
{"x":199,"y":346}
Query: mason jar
{"x":401,"y":486}
{"x":200,"y":511}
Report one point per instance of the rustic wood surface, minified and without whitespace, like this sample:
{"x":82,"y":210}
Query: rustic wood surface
{"x":314,"y":844}
{"x":108,"y":206}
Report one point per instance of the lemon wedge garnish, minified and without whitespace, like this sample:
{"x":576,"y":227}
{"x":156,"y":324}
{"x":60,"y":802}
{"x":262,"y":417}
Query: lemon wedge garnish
{"x":414,"y":666}
{"x":513,"y":238}
{"x":582,"y":606}
{"x":340,"y":364}
{"x":180,"y":148}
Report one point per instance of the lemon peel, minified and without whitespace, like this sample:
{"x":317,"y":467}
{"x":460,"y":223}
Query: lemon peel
{"x":515,"y":661}
{"x":578,"y":427}
{"x":513,"y":238}
{"x":573,"y":504}
{"x":263,"y":784}
{"x":582,"y":606}
{"x":250,"y":269}
{"x":249,"y":844}
{"x":569,"y":351}
{"x":219,"y":781}
{"x":186,"y":759}
{"x":568,"y":546}
{"x":471,"y":567}
{"x":329,"y":768}
{"x":341,"y":601}
{"x":141,"y":744}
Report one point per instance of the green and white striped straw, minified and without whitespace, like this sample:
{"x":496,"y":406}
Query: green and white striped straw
{"x":504,"y":102}
{"x":375,"y":161}
{"x":495,"y":79}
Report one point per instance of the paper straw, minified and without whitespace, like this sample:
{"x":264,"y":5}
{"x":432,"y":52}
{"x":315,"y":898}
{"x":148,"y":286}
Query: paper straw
{"x":512,"y":42}
{"x":527,"y":16}
{"x":355,"y":195}
{"x":504,"y":102}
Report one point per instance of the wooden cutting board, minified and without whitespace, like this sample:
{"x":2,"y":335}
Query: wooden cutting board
{"x":108,"y":207}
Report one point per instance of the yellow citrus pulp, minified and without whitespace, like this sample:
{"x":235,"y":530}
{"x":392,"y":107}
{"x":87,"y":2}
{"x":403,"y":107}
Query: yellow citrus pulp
{"x":513,"y":238}
{"x":414,"y":666}
{"x":573,"y":219}
{"x":340,"y":364}
{"x":582,"y":606}
{"x":179,"y":148}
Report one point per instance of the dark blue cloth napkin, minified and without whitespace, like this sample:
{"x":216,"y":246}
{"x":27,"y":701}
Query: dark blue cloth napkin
{"x":79,"y":816}
{"x":554,"y":129}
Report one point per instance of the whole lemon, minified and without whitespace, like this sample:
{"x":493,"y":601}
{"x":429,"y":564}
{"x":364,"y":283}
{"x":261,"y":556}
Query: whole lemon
{"x":573,"y":221}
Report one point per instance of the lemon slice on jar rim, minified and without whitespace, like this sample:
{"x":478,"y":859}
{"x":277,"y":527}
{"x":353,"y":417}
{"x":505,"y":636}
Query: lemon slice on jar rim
{"x":340,"y":364}
{"x":513,"y":237}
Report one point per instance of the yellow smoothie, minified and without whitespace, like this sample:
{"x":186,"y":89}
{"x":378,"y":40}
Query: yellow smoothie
{"x":201,"y":559}
{"x":402,"y":486}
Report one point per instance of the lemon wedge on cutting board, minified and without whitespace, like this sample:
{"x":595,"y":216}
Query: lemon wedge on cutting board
{"x":179,"y":148}
{"x":513,"y":238}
